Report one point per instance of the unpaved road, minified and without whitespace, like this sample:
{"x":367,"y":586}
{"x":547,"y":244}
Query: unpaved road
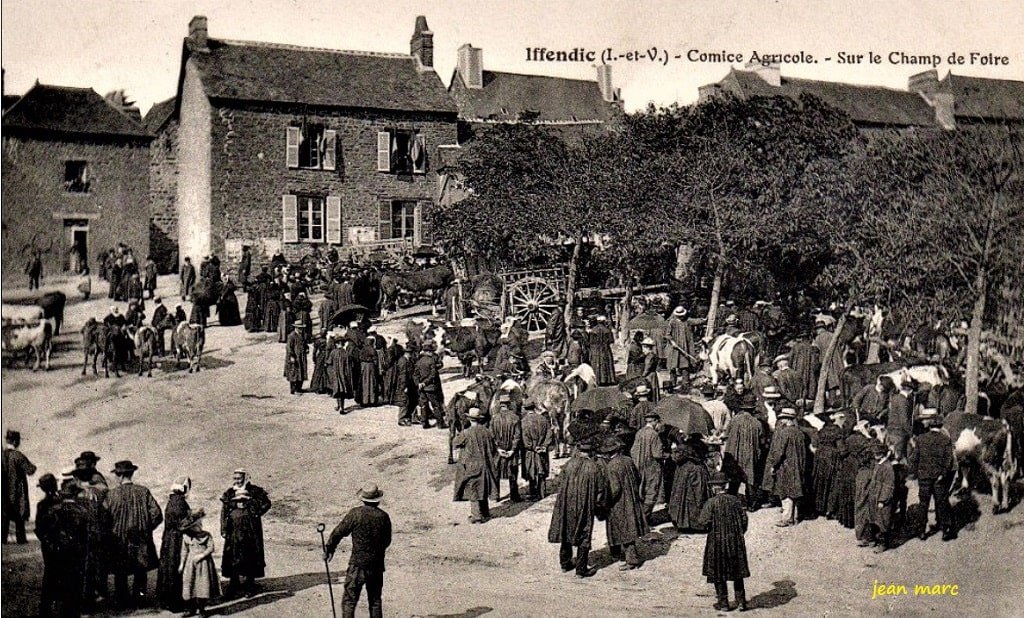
{"x":237,"y":413}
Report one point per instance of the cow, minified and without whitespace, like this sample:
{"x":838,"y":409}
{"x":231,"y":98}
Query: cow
{"x":469,"y":343}
{"x":580,"y":379}
{"x":985,"y":443}
{"x":552,"y":397}
{"x":188,"y":341}
{"x":433,"y":281}
{"x":21,"y":315}
{"x":146,"y":348}
{"x":735,"y":356}
{"x":856,"y":377}
{"x":514,"y":390}
{"x":922,"y":374}
{"x":31,"y":339}
{"x":94,"y":343}
{"x":52,"y":304}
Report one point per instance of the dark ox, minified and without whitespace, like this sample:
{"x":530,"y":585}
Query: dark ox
{"x":856,"y":377}
{"x":431,"y":281}
{"x":188,"y":341}
{"x":981,"y":442}
{"x":471,"y":343}
{"x":52,"y":304}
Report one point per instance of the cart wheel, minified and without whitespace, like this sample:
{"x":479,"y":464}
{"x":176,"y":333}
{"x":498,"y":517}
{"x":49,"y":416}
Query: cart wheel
{"x":533,"y":301}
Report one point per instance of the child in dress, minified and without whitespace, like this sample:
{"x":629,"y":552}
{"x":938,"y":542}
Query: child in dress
{"x":199,"y":581}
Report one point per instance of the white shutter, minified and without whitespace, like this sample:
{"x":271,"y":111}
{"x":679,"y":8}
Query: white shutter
{"x":330,"y":149}
{"x":333,"y":220}
{"x":289,"y":218}
{"x":383,"y":151}
{"x":417,"y":224}
{"x":292,"y":149}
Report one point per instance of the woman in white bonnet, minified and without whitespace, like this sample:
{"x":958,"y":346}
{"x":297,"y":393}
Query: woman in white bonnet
{"x":168,"y":581}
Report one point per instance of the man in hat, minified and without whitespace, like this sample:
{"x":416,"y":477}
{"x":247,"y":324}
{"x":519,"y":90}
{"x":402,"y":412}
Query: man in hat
{"x":761,"y":379}
{"x":644,"y":405}
{"x":508,"y":438}
{"x":739,"y":397}
{"x":787,"y":380}
{"x":882,"y":493}
{"x":649,"y":367}
{"x":833,"y":365}
{"x":584,"y":496}
{"x":61,"y":530}
{"x":725,"y":551}
{"x":50,"y":587}
{"x":899,"y":421}
{"x":719,"y":411}
{"x":931,"y":461}
{"x":93,"y":494}
{"x":476,"y":478}
{"x":786,"y":465}
{"x":187,"y":277}
{"x":160,"y":322}
{"x":872,"y":401}
{"x":295,"y":359}
{"x":680,"y":351}
{"x":743,"y":444}
{"x":370,"y":529}
{"x":428,"y":385}
{"x":828,"y":458}
{"x":649,"y":455}
{"x":732,"y":325}
{"x":625,"y":523}
{"x":244,"y":265}
{"x":406,"y":393}
{"x":241,"y":525}
{"x":600,"y":342}
{"x":538,"y":439}
{"x":16,"y":470}
{"x":133,"y":514}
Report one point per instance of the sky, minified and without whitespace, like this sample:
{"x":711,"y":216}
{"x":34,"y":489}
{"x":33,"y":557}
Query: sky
{"x":136,"y":45}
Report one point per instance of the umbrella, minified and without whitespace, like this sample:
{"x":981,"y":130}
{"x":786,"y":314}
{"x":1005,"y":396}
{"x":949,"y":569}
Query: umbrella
{"x":599,"y":398}
{"x":425,"y":251}
{"x":684,"y":414}
{"x":347,"y":313}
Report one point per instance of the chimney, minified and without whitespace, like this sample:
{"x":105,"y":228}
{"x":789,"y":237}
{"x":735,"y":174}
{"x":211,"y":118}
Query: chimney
{"x":771,"y":73}
{"x":197,"y":34}
{"x":422,"y":43}
{"x":471,"y":66}
{"x":604,"y":82}
{"x":924,"y":83}
{"x":120,"y":101}
{"x":940,"y":99}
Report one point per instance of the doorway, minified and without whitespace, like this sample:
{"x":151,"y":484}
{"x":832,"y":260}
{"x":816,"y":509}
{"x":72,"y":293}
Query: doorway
{"x":76,"y":231}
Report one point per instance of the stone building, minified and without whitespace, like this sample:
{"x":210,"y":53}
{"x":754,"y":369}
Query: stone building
{"x":162,"y":123}
{"x":75,"y":178}
{"x":286,"y":147}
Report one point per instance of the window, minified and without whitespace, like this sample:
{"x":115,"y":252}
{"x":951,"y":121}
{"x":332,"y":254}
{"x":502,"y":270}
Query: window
{"x":311,"y":146}
{"x":311,"y":218}
{"x":401,"y":151}
{"x":76,"y":177}
{"x":403,"y":220}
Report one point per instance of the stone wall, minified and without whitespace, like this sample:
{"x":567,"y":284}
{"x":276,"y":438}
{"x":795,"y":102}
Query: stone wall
{"x":163,"y":189}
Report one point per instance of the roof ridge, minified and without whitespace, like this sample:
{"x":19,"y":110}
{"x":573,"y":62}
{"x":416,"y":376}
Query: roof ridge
{"x":58,"y":87}
{"x":568,"y":79}
{"x":291,"y":47}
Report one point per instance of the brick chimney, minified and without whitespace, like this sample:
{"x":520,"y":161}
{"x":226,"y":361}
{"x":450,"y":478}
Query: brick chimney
{"x":422,"y":43}
{"x":772,"y":73}
{"x":604,"y":82}
{"x":471,"y":66}
{"x":939,"y":98}
{"x":197,"y":34}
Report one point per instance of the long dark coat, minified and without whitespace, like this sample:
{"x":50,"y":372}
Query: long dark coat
{"x":827,"y":462}
{"x":368,"y":393}
{"x":242,"y":529}
{"x":133,"y":514}
{"x":584,"y":495}
{"x":62,"y":529}
{"x":725,"y":551}
{"x":743,"y":442}
{"x":786,"y":465}
{"x":227,"y":307}
{"x":846,"y":485}
{"x":681,"y":334}
{"x":341,"y":374}
{"x":508,"y":436}
{"x":538,"y":439}
{"x":389,"y":376}
{"x":601,"y":339}
{"x":647,"y":453}
{"x":295,"y":357}
{"x":690,"y":489}
{"x":476,"y":477}
{"x":626,"y":522}
{"x":168,"y":580}
{"x":16,"y":470}
{"x":555,"y":337}
{"x":272,"y":307}
{"x":405,"y":385}
{"x":805,"y":362}
{"x":254,"y":306}
{"x":882,"y":489}
{"x":318,"y":383}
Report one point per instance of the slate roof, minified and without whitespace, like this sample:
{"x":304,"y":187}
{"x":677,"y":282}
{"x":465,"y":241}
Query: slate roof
{"x":555,"y":99}
{"x":983,"y":98}
{"x":9,"y":100}
{"x":265,"y":72}
{"x":864,"y":104}
{"x":70,"y":111}
{"x":159,"y":114}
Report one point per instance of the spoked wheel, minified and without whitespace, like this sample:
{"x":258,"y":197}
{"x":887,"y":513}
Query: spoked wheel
{"x":533,"y":301}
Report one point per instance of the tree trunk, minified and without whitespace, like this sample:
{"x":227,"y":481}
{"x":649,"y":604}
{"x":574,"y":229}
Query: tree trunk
{"x":684,"y":253}
{"x":626,"y":309}
{"x":716,"y":293}
{"x":833,"y":343}
{"x":570,"y":279}
{"x":974,"y":346}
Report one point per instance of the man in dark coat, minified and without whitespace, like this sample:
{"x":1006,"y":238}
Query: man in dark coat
{"x":50,"y":587}
{"x":428,"y":386}
{"x":16,"y":470}
{"x":133,"y":514}
{"x":295,"y":360}
{"x":476,"y":478}
{"x":725,"y":551}
{"x":508,"y":438}
{"x":538,"y":439}
{"x":187,"y":277}
{"x":370,"y":528}
{"x":931,"y":461}
{"x":241,"y":525}
{"x":680,"y":351}
{"x":584,"y":496}
{"x":161,"y":323}
{"x":244,"y":265}
{"x":600,"y":342}
{"x":786,"y":465}
{"x":828,"y":458}
{"x":899,"y":421}
{"x":92,"y":496}
{"x":881,"y":495}
{"x":406,"y":394}
{"x":626,"y":522}
{"x":743,"y":444}
{"x":648,"y":453}
{"x":788,"y":380}
{"x":872,"y":401}
{"x":556,"y":338}
{"x":62,"y":530}
{"x":690,"y":488}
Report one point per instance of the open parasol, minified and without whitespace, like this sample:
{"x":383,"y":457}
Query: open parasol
{"x":684,"y":414}
{"x":348,"y":313}
{"x":595,"y":399}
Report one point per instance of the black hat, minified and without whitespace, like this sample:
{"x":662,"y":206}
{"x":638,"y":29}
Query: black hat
{"x":611,"y":445}
{"x":70,"y":488}
{"x":48,"y":483}
{"x":89,"y":456}
{"x":719,"y":478}
{"x":585,"y":446}
{"x":13,"y":436}
{"x":124,"y":466}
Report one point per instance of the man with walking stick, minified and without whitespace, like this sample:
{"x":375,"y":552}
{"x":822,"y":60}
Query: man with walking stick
{"x":370,"y":528}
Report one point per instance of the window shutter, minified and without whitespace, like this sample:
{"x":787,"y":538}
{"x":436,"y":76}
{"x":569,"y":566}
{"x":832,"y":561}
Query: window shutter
{"x":333,"y":220}
{"x":419,"y":154}
{"x":384,"y":220}
{"x":330,"y":149}
{"x":426,"y":232}
{"x":383,"y":151}
{"x":417,"y":224}
{"x":292,"y":149}
{"x":289,"y":218}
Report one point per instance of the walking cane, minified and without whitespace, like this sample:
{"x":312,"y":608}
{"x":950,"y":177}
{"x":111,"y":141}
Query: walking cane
{"x":330,"y":588}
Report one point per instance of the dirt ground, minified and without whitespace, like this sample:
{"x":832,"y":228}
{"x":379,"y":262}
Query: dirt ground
{"x":237,"y":413}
